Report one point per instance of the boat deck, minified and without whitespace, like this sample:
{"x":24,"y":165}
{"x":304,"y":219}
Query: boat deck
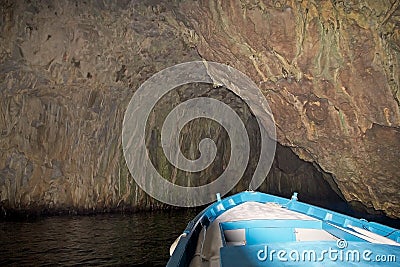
{"x":239,"y":230}
{"x":253,"y":223}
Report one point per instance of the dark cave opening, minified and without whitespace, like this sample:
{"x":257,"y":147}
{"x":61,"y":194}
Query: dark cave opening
{"x":288,"y":172}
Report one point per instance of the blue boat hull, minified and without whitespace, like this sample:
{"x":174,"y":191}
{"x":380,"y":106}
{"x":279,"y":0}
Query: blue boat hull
{"x":274,"y":242}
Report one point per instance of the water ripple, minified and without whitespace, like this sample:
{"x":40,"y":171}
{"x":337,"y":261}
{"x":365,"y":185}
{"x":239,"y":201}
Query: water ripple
{"x":141,"y":239}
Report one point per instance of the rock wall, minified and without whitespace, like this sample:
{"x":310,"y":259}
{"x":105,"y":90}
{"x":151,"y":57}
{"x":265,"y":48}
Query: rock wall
{"x":68,"y":71}
{"x":69,"y":68}
{"x":330,"y":70}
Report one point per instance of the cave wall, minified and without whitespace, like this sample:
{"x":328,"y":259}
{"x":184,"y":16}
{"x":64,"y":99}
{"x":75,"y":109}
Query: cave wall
{"x":330,"y":70}
{"x":68,"y":69}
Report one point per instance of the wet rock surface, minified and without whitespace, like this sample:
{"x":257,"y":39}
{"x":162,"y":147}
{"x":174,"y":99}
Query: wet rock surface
{"x":68,"y":70}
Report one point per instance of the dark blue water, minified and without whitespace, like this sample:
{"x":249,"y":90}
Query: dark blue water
{"x":141,"y":239}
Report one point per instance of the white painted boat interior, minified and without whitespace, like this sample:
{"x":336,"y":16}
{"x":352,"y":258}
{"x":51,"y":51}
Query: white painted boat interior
{"x":210,"y":240}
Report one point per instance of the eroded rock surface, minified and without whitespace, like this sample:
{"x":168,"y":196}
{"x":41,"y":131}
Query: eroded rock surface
{"x":329,"y":69}
{"x":68,"y":71}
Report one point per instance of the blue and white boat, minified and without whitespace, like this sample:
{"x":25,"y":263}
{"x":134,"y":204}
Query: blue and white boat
{"x":257,"y":229}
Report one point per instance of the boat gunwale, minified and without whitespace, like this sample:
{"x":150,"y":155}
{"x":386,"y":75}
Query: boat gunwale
{"x":181,"y":258}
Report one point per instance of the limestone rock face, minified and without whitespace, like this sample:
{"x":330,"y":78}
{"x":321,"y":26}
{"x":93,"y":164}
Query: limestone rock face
{"x":68,"y":71}
{"x":329,"y":69}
